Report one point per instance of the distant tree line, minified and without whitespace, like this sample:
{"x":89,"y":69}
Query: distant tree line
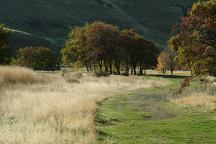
{"x":103,"y":47}
{"x":100,"y":47}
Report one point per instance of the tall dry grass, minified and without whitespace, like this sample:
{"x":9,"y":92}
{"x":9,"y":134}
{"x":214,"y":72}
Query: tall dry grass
{"x":202,"y":97}
{"x":13,"y":75}
{"x":203,"y":102}
{"x":57,"y":111}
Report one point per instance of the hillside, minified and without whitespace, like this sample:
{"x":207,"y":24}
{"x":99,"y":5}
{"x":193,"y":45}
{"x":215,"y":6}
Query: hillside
{"x":39,"y":22}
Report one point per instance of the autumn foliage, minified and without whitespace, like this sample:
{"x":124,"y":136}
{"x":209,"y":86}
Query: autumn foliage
{"x":195,"y":39}
{"x":163,"y":62}
{"x":104,"y":47}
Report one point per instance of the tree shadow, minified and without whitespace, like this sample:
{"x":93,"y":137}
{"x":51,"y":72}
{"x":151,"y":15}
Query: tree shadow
{"x":168,"y":76}
{"x":102,"y":135}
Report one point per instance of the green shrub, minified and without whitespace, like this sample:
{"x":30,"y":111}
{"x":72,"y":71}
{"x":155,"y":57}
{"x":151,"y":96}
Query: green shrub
{"x":5,"y":49}
{"x":37,"y":58}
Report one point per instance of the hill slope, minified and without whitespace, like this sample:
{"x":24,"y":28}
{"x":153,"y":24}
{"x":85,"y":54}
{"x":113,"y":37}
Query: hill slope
{"x":48,"y":22}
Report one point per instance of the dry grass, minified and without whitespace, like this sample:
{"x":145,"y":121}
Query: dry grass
{"x":13,"y":75}
{"x":204,"y":102}
{"x":56,"y":111}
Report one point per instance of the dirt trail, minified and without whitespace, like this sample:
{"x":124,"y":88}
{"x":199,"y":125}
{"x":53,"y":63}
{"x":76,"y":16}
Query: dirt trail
{"x":151,"y":103}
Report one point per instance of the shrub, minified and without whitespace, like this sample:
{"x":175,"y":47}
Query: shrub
{"x":37,"y":58}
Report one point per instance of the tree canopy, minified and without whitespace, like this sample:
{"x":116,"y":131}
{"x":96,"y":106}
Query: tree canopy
{"x":104,"y":46}
{"x":38,"y":58}
{"x":163,"y":61}
{"x":195,"y":39}
{"x":5,"y":50}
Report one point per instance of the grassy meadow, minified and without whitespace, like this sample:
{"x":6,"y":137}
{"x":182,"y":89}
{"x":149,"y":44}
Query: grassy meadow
{"x":155,"y":116}
{"x":43,"y":108}
{"x":73,"y":107}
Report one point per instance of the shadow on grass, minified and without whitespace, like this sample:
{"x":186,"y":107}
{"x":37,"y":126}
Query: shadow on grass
{"x":106,"y":121}
{"x":168,"y":76}
{"x":102,"y":136}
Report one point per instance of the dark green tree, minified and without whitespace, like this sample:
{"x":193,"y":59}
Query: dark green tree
{"x":138,"y":51}
{"x":75,"y":51}
{"x":37,"y":58}
{"x":5,"y":50}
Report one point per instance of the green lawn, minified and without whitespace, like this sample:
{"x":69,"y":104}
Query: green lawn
{"x":146,"y":117}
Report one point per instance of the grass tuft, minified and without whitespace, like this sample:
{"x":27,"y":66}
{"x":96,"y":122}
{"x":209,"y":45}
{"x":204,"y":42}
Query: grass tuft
{"x":202,"y":101}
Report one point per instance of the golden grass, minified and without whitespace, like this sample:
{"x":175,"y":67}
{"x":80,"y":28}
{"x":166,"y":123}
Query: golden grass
{"x":56,"y":111}
{"x":202,"y":101}
{"x":13,"y":75}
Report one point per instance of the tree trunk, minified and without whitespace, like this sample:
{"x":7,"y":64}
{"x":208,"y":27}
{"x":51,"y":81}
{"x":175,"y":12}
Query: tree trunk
{"x":118,"y":70}
{"x":172,"y":64}
{"x":144,"y":72}
{"x":87,"y":68}
{"x":164,"y":71}
{"x":134,"y":69}
{"x":127,"y":69}
{"x":118,"y":65}
{"x":110,"y":67}
{"x":106,"y":66}
{"x":90,"y":67}
{"x":172,"y":69}
{"x":141,"y":70}
{"x":100,"y":64}
{"x":132,"y":63}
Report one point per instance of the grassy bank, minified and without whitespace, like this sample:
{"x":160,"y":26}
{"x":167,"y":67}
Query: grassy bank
{"x":146,"y":116}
